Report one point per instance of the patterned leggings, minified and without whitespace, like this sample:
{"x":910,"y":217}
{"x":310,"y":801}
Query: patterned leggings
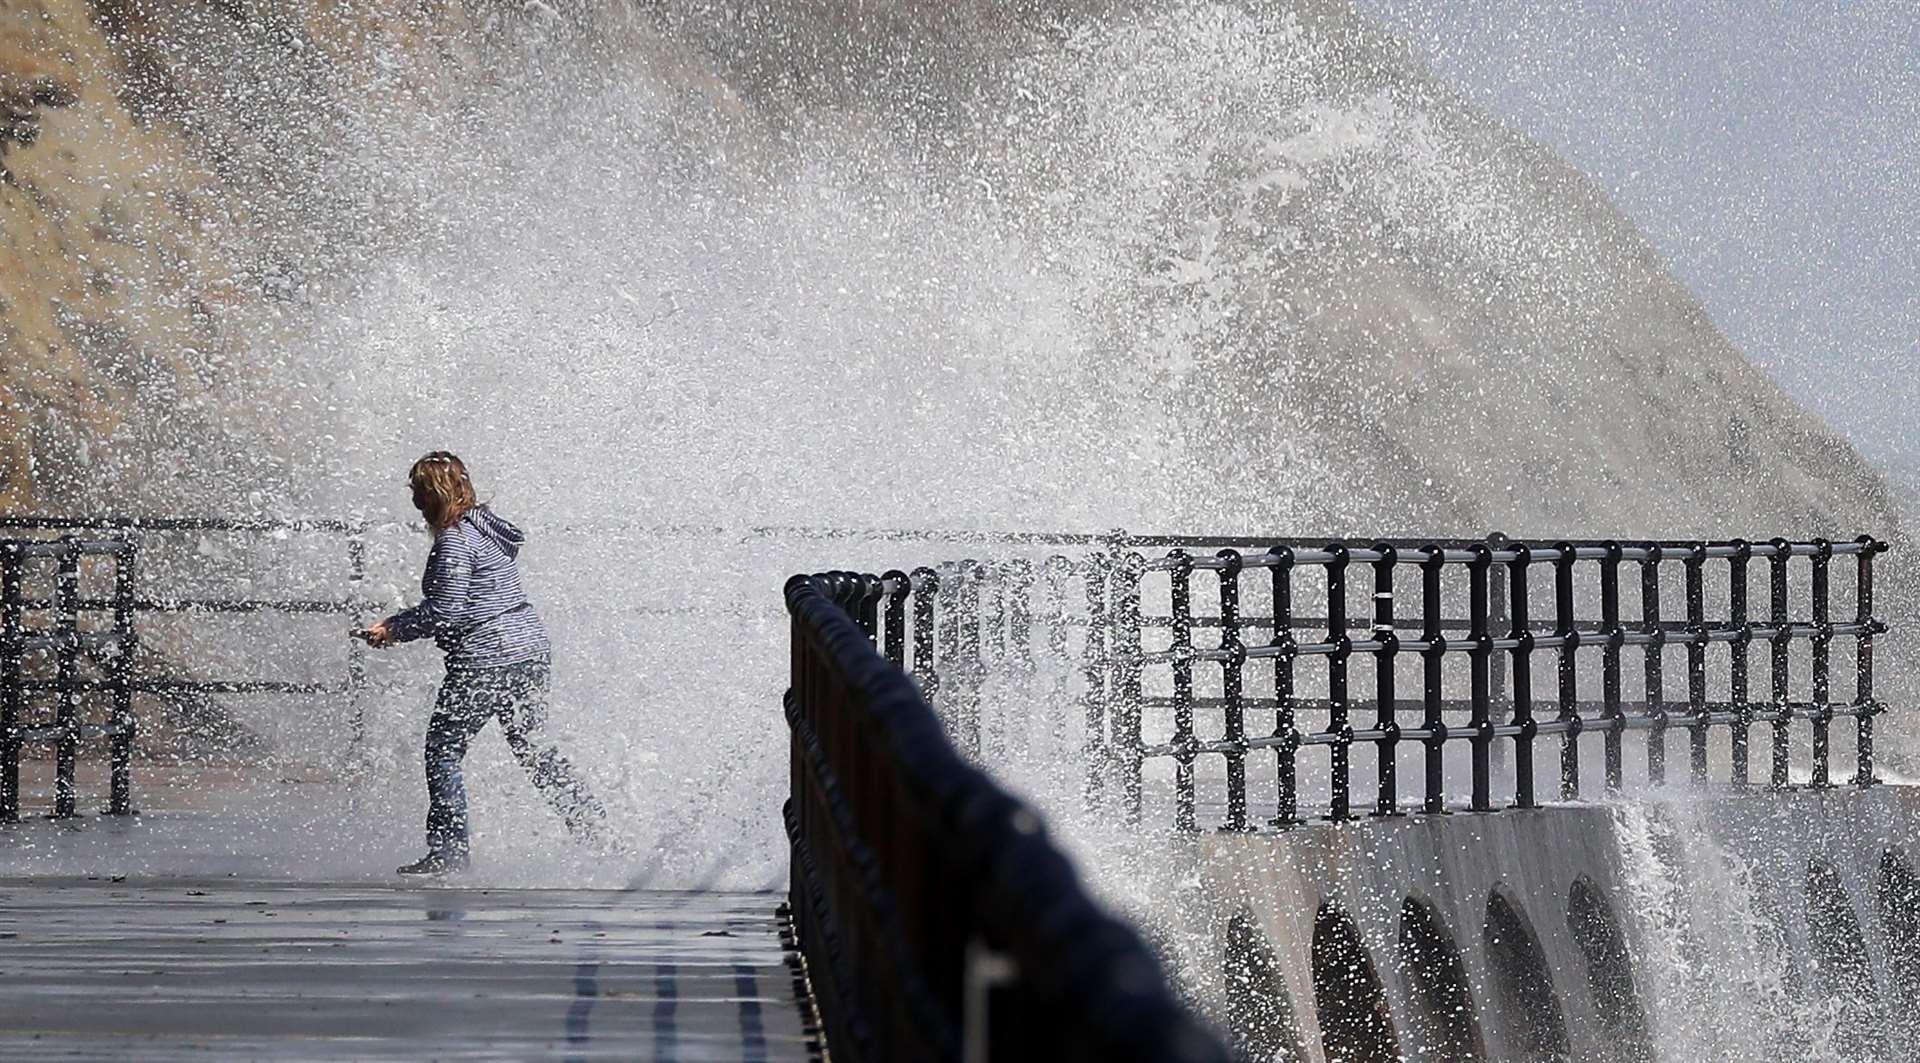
{"x":516,"y":695}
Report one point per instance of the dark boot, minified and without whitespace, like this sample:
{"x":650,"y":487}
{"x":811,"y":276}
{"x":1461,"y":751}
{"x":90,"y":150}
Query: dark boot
{"x":436,"y":862}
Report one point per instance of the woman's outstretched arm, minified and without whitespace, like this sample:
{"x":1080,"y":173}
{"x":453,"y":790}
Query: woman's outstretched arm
{"x":449,"y":577}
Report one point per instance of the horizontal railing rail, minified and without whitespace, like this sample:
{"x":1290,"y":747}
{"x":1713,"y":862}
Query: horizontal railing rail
{"x":937,"y":920}
{"x":50,"y":522}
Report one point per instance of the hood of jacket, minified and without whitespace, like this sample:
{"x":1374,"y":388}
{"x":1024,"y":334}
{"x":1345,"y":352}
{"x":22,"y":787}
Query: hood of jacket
{"x":498,"y":528}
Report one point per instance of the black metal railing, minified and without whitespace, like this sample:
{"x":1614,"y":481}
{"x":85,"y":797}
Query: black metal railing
{"x":937,"y":920}
{"x":351,"y":606}
{"x":62,"y":637}
{"x":1257,"y":650}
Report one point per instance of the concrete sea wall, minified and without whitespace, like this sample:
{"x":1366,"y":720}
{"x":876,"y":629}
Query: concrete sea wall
{"x":1766,"y":925}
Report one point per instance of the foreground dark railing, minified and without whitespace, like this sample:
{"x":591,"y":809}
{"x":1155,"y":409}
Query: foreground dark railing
{"x":937,"y":920}
{"x":64,"y":640}
{"x":1258,"y":650}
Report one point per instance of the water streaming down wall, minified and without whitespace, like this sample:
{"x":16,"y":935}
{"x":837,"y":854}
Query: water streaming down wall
{"x":1759,"y":928}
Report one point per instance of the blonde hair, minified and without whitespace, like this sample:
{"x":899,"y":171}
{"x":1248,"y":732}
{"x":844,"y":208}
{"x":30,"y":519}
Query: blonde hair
{"x":442,"y":490}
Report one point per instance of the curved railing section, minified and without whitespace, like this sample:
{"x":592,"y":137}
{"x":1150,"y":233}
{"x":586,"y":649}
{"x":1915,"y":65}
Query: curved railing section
{"x":1445,"y":667}
{"x":937,"y":920}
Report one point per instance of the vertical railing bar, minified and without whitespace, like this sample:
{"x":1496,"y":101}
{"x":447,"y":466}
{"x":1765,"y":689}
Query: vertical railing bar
{"x":1129,"y":717}
{"x":1656,"y":664}
{"x":1231,"y":686}
{"x":1094,"y":666}
{"x":1481,"y":723}
{"x":67,"y":722}
{"x":1339,"y":722}
{"x":897,"y":590}
{"x":1699,"y":722}
{"x":1610,"y":665}
{"x":1386,"y":659}
{"x":1568,"y":667}
{"x":1433,"y":720}
{"x":1739,"y":665}
{"x":993,"y":613}
{"x":1522,"y":633}
{"x":1822,"y":714}
{"x":867,"y":591}
{"x":1053,"y":576}
{"x":120,"y":773}
{"x":1020,"y":613}
{"x":971,"y":672}
{"x":1181,"y":580}
{"x":1286,"y":724}
{"x":12,"y":695}
{"x":952,"y":665}
{"x":1500,"y":708}
{"x":1864,"y":699}
{"x":926,"y":594}
{"x":1782,"y":665}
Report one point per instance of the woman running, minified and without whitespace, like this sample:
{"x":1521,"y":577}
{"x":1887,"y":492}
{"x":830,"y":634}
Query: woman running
{"x":497,"y":660}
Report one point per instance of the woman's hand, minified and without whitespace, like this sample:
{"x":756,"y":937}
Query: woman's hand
{"x":379,"y":637}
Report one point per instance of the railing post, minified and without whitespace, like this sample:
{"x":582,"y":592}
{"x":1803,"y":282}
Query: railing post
{"x":1782,"y":663}
{"x":1523,"y":795}
{"x":12,"y":693}
{"x":1181,"y":579}
{"x":1822,"y":713}
{"x":1011,"y":623}
{"x":1656,"y":664}
{"x":1739,"y":663}
{"x":1387,"y":721}
{"x":1434,"y":721}
{"x":896,"y":588}
{"x":964,"y":650}
{"x":926,"y":592}
{"x":952,"y":671}
{"x":67,"y":720}
{"x":1095,"y":666}
{"x":1864,"y":701}
{"x":125,"y":578}
{"x":1500,"y":710}
{"x":993,"y":613}
{"x":1700,"y":723}
{"x":1019,"y":608}
{"x":1565,"y":629}
{"x":1611,"y":711}
{"x":1127,"y":715}
{"x":1231,"y":687}
{"x":1339,"y":724}
{"x":867,"y":591}
{"x":1481,"y":660}
{"x":1286,"y":724}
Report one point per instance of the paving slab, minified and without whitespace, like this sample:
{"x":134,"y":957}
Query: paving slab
{"x":225,"y":969}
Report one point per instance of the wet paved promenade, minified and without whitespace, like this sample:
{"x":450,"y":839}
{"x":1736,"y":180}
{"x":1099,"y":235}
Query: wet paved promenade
{"x":223,"y":969}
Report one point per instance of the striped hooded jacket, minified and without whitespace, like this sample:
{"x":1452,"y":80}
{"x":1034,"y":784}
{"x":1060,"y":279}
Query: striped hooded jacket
{"x":475,"y":609}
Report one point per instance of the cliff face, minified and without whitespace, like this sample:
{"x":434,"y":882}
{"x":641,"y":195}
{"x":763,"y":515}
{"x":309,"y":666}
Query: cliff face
{"x":100,"y":264}
{"x":169,"y":183}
